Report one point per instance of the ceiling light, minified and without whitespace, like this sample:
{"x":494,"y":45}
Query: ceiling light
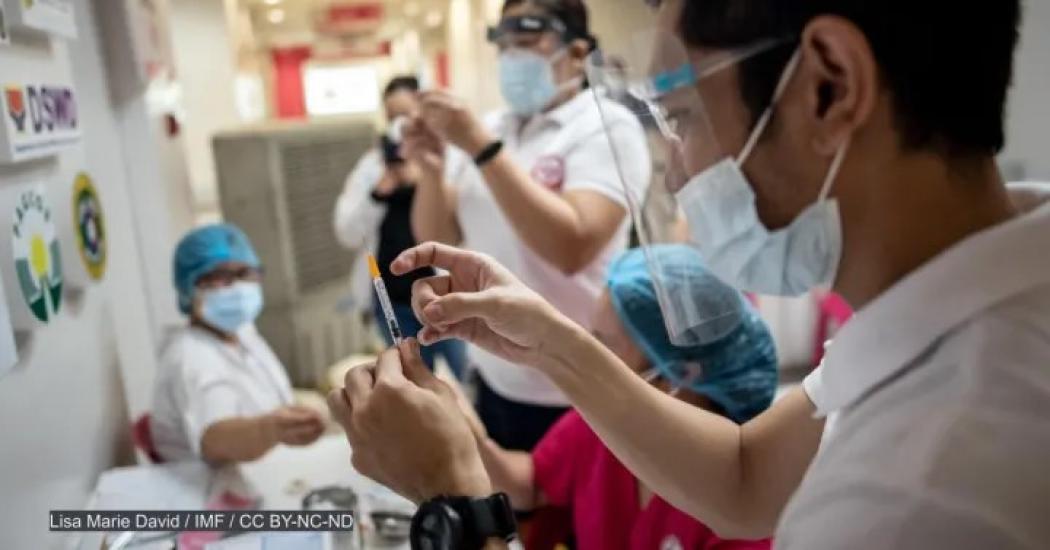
{"x":275,"y":16}
{"x":433,"y":18}
{"x":271,"y":2}
{"x":412,"y":9}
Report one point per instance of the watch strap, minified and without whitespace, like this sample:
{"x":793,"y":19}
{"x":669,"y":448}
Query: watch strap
{"x":489,"y":518}
{"x":488,"y":153}
{"x":462,"y":523}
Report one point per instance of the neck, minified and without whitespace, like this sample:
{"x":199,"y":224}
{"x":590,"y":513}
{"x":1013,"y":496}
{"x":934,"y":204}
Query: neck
{"x":919,"y":207}
{"x":224,"y":336}
{"x":567,"y":90}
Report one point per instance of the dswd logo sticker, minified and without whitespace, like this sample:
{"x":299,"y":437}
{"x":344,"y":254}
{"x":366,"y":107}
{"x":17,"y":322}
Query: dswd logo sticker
{"x":38,"y":263}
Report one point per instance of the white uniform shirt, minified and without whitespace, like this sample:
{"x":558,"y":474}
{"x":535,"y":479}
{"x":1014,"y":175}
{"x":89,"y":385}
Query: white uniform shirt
{"x":940,"y":390}
{"x":203,"y":380}
{"x":566,"y":149}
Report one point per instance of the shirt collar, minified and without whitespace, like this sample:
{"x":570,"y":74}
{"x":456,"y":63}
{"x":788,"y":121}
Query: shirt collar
{"x":900,"y":325}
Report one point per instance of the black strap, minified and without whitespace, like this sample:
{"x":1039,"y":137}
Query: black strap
{"x":488,"y":153}
{"x":492,"y":517}
{"x":462,"y":523}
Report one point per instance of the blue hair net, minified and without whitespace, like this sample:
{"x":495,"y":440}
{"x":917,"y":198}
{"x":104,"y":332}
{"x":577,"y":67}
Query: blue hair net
{"x":738,"y":371}
{"x":204,"y":249}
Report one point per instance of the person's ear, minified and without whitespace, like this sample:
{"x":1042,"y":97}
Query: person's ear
{"x":841,"y":78}
{"x":579,"y":49}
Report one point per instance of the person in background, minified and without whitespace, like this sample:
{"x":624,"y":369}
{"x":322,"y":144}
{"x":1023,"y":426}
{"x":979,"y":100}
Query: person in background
{"x":861,"y":154}
{"x":221,"y":393}
{"x":374,"y":214}
{"x":733,"y":375}
{"x":545,"y":199}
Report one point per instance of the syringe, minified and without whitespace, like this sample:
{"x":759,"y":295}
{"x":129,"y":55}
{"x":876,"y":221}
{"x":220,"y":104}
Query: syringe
{"x":384,"y":300}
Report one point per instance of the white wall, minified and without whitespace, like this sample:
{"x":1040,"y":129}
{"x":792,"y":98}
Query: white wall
{"x":205,"y":69}
{"x":1029,"y":116}
{"x":66,"y":407}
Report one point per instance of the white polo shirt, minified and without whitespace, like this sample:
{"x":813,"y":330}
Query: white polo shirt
{"x":940,"y":390}
{"x":203,"y":380}
{"x":566,"y":149}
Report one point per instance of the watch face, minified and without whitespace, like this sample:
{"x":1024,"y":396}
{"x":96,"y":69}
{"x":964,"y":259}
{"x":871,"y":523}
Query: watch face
{"x":435,"y":527}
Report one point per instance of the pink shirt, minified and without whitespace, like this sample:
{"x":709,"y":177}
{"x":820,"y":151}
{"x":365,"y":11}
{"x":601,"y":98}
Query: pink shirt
{"x":575,"y":470}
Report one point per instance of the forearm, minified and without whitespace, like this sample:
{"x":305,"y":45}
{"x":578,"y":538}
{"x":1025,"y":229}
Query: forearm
{"x":434,"y":213}
{"x":546,"y":222}
{"x":735,"y":479}
{"x":237,"y":440}
{"x":510,"y":472}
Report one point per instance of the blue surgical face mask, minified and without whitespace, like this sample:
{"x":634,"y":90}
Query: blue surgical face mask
{"x":230,"y":308}
{"x":719,"y":204}
{"x":526,"y":80}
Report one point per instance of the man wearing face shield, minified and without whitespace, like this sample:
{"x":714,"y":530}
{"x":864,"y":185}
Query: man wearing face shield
{"x":848,"y":143}
{"x":546,"y":198}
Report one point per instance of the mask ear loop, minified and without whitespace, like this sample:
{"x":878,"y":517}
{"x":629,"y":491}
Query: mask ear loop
{"x":767,"y":115}
{"x":696,"y":373}
{"x":833,"y":172}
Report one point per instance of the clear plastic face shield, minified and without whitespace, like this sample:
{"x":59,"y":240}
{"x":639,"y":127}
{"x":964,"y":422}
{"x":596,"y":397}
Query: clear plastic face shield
{"x":654,"y":79}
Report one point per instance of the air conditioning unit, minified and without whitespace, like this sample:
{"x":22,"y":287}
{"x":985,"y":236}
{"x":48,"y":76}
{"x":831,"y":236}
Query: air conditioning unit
{"x":279,"y":183}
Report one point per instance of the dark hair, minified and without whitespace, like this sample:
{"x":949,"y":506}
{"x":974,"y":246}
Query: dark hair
{"x":573,"y":13}
{"x":948,"y":64}
{"x":406,"y":83}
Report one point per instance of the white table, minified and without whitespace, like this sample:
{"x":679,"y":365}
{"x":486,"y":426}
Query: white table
{"x":279,"y":481}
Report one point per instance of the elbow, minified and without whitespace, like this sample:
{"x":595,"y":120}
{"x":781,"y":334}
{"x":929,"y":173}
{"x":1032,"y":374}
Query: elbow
{"x":749,"y":530}
{"x":345,"y":233}
{"x":216,"y":456}
{"x":573,"y":259}
{"x":217,"y":449}
{"x":744,"y":523}
{"x":570,"y":268}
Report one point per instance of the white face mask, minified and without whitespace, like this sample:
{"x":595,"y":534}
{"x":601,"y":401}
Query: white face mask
{"x":719,"y":205}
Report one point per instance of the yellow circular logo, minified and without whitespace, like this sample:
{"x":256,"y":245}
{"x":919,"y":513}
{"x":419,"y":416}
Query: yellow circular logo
{"x":90,"y":226}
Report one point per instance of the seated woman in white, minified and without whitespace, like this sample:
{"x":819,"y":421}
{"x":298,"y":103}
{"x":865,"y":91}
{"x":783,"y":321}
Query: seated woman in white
{"x":221,"y":393}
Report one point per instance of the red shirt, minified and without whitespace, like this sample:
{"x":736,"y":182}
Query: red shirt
{"x":575,"y":470}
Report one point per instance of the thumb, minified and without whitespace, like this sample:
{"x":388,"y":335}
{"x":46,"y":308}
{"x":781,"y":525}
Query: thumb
{"x":413,"y":366}
{"x":459,"y":306}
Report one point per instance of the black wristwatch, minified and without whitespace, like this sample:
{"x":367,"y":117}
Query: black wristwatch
{"x":488,"y":153}
{"x":462,"y":523}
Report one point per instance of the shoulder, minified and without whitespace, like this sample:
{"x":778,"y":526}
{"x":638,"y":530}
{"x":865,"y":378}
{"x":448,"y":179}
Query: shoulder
{"x":616,"y":111}
{"x":599,"y":114}
{"x":952,"y":451}
{"x":369,"y":167}
{"x":370,"y":159}
{"x":191,"y":357}
{"x":1007,"y":345}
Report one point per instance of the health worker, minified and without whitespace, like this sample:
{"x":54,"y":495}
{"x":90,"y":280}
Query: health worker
{"x":221,"y":394}
{"x":734,"y":375}
{"x":544,"y":196}
{"x":851,"y":144}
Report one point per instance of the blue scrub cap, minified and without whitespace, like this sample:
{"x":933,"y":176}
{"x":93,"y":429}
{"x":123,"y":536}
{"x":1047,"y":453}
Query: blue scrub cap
{"x":738,"y":371}
{"x":204,"y":249}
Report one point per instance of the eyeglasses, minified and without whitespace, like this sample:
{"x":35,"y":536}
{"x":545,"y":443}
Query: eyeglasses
{"x":525,"y":31}
{"x":228,"y":276}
